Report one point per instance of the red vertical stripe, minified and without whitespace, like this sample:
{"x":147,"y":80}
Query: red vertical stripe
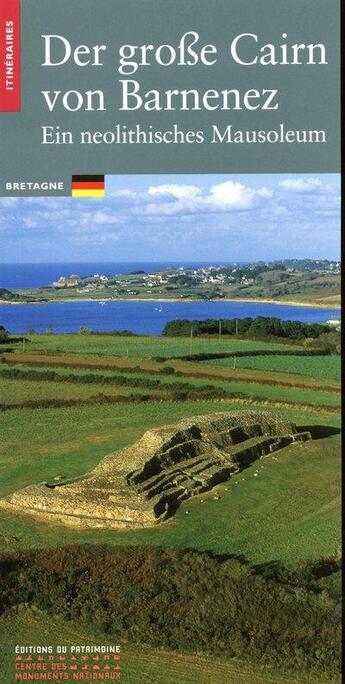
{"x":10,"y":56}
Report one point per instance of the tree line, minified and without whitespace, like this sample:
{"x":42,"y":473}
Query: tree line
{"x":258,"y":327}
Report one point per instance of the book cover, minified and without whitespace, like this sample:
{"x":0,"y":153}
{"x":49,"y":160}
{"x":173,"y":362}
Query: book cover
{"x":170,"y":341}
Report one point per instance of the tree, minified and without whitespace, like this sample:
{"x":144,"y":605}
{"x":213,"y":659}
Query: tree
{"x":3,"y":334}
{"x":327,"y":343}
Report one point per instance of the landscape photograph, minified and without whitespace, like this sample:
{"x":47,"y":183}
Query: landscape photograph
{"x":170,"y":420}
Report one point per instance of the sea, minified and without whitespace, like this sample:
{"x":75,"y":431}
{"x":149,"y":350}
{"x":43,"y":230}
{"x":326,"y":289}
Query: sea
{"x":139,"y":317}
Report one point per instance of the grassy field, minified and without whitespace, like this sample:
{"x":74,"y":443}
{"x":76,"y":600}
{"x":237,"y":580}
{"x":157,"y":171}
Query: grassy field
{"x":18,"y":391}
{"x":105,"y":365}
{"x":290,"y":512}
{"x":327,"y":296}
{"x":311,"y":366}
{"x":231,"y":371}
{"x":22,"y":390}
{"x":138,"y":664}
{"x":139,"y":346}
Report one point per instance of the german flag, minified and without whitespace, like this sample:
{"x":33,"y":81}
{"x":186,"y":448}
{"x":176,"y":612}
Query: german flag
{"x":88,"y":186}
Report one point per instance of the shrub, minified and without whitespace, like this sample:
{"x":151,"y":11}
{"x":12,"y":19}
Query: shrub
{"x":326,"y":343}
{"x":4,"y":336}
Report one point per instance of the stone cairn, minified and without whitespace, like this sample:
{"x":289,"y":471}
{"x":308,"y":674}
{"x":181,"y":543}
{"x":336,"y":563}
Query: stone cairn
{"x":146,"y":482}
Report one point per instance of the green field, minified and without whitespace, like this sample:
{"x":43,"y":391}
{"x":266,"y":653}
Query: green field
{"x":18,"y":391}
{"x":288,"y":513}
{"x":139,"y":346}
{"x":310,"y":366}
{"x":72,"y":439}
{"x":23,"y":390}
{"x":295,"y":499}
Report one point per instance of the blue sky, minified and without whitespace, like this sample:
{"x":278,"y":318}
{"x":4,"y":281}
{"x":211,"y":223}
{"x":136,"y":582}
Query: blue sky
{"x":179,"y":217}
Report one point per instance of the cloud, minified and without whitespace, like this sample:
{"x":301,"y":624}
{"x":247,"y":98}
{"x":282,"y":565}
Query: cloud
{"x":181,"y":199}
{"x":175,"y":217}
{"x":30,"y":222}
{"x":7,"y":202}
{"x":102,"y":218}
{"x":301,"y":184}
{"x":180,"y":192}
{"x":234,"y":195}
{"x":170,"y":199}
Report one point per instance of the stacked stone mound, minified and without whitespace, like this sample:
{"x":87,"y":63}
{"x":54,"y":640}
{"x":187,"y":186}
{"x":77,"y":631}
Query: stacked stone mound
{"x":147,"y":481}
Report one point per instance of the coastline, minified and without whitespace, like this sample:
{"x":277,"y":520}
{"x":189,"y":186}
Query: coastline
{"x":249,"y":300}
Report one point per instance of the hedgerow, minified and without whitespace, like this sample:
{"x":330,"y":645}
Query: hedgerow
{"x":206,"y":356}
{"x":258,"y":327}
{"x":183,"y":600}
